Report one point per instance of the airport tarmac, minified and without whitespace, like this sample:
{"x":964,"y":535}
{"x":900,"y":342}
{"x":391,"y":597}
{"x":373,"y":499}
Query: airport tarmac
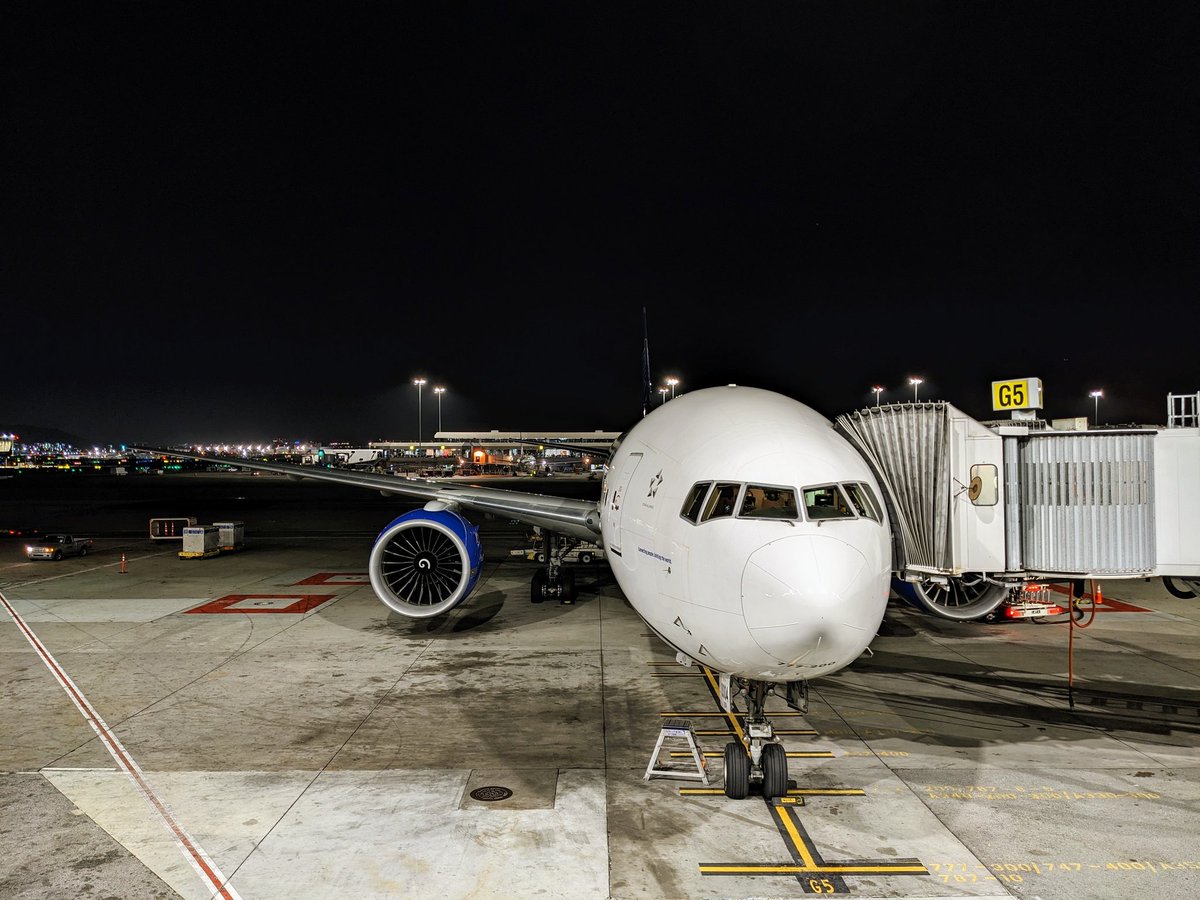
{"x":266,"y":720}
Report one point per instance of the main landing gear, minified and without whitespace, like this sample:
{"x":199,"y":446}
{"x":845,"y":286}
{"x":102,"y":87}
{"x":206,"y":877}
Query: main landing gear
{"x":555,"y":581}
{"x":759,"y":757}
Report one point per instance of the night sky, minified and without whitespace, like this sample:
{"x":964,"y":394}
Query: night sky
{"x":246,"y":221}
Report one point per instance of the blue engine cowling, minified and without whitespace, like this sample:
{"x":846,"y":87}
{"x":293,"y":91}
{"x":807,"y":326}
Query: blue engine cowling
{"x":426,"y":562}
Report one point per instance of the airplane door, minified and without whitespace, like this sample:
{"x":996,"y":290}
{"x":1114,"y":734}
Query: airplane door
{"x":616,"y":502}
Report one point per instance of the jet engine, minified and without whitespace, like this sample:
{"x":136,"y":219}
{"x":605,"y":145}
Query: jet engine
{"x":426,"y":562}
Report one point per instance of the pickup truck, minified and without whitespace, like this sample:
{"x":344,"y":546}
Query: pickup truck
{"x":56,"y":546}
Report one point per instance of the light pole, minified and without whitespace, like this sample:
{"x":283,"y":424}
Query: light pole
{"x":877,"y":390}
{"x":1096,"y":395}
{"x":916,"y":383}
{"x":418,"y":382}
{"x":671,"y":382}
{"x":662,"y":392}
{"x":439,"y":391}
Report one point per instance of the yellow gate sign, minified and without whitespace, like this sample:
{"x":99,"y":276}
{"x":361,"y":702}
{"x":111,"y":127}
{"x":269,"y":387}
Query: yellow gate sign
{"x":1020,"y":393}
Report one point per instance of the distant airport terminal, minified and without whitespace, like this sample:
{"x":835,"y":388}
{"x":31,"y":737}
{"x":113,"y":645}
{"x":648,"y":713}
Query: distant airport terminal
{"x":508,"y":450}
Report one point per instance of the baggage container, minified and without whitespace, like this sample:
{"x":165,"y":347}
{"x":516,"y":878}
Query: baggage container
{"x":232,"y":535}
{"x":200,"y":541}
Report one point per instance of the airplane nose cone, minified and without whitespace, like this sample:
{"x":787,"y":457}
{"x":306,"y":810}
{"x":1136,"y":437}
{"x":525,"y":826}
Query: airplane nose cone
{"x":809,"y":600}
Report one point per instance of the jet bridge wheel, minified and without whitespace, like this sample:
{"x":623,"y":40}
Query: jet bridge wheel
{"x":963,"y":598}
{"x":737,"y":771}
{"x":1183,"y":588}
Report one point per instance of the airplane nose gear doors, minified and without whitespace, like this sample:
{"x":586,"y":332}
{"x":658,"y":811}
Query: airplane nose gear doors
{"x":759,"y":757}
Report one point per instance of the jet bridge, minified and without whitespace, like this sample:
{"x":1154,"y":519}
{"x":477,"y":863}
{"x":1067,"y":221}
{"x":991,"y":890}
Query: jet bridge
{"x":980,"y":509}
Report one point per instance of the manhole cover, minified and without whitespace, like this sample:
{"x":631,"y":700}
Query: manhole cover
{"x":491,"y":793}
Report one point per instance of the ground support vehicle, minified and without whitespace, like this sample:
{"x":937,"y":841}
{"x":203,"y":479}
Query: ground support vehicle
{"x":585,"y":553}
{"x":56,"y":546}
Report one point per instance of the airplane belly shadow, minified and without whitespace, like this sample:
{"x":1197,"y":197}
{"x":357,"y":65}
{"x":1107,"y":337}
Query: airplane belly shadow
{"x":469,"y":619}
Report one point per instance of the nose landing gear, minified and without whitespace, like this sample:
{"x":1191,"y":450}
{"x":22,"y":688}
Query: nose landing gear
{"x":759,"y":757}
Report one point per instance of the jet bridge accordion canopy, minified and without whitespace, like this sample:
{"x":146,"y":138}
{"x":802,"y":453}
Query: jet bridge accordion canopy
{"x":908,"y":446}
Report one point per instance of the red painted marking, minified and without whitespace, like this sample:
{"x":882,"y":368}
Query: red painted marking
{"x":1106,"y":604}
{"x":334,"y":578}
{"x":302,"y":603}
{"x":194,"y":853}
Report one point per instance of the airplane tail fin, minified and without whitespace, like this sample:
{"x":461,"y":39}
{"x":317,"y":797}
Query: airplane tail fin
{"x":646,"y":386}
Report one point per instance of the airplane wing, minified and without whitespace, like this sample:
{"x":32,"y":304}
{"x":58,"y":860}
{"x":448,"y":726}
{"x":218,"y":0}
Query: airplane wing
{"x":564,"y":515}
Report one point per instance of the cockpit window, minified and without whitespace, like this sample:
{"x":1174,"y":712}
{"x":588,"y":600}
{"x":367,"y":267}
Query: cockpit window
{"x":766,"y":502}
{"x":864,"y":501}
{"x":827,"y":502}
{"x":695,"y":501}
{"x":721,"y":501}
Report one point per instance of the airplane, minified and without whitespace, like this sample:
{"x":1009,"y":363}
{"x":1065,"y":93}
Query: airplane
{"x":745,"y":531}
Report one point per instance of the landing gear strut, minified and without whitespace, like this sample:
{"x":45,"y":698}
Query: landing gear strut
{"x":555,"y":581}
{"x":759,"y":757}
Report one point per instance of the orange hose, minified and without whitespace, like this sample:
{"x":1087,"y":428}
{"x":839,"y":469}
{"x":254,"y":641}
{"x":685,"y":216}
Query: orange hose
{"x":1071,"y":650}
{"x":1097,"y":598}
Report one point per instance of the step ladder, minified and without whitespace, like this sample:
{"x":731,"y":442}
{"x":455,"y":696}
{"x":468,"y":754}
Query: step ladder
{"x":676,"y":734}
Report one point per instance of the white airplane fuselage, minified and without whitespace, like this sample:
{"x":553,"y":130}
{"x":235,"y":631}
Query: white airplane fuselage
{"x":771,"y":599}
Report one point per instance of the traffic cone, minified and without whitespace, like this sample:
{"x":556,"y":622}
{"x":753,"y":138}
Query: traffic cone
{"x":122,"y":563}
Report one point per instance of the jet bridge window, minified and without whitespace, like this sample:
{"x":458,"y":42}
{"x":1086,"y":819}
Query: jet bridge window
{"x":722,"y":501}
{"x":768,"y":502}
{"x":864,"y":501}
{"x":827,"y":502}
{"x":695,"y":501}
{"x":984,"y":489}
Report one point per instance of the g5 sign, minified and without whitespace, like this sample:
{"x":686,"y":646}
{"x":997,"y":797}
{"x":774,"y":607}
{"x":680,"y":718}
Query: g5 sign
{"x":1020,"y":393}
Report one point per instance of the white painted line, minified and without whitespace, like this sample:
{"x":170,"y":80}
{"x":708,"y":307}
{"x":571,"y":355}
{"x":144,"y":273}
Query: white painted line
{"x":75,"y":572}
{"x":191,"y":850}
{"x":108,"y":770}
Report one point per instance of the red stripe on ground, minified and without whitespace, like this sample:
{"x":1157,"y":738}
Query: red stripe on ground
{"x":1106,"y":604}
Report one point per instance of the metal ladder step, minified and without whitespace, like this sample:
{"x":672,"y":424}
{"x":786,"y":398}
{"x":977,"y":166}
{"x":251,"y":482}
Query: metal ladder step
{"x":677,"y":735}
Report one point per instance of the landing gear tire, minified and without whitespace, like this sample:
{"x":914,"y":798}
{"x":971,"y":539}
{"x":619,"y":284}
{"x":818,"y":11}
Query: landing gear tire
{"x":963,"y":598}
{"x":537,"y":587}
{"x":737,"y":771}
{"x":1181,"y":592}
{"x":775,"y":771}
{"x":567,"y":579}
